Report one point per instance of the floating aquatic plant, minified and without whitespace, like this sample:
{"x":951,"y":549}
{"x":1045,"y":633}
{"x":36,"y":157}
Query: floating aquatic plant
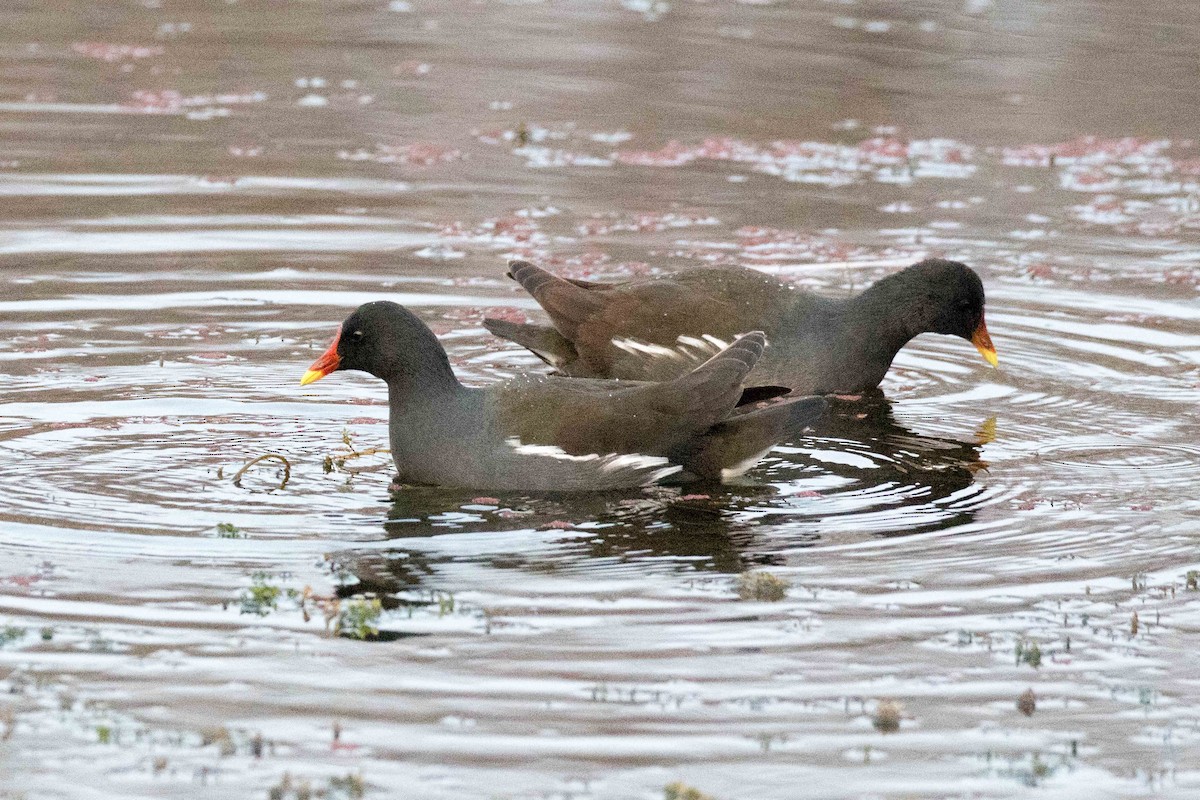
{"x":222,"y":738}
{"x":1029,"y":653}
{"x":887,"y":716}
{"x":681,"y":791}
{"x":337,"y":461}
{"x":351,"y":786}
{"x":359,"y":618}
{"x":761,"y":586}
{"x":287,"y":468}
{"x":445,"y":601}
{"x":1027,"y":702}
{"x":227,"y":530}
{"x":262,"y":597}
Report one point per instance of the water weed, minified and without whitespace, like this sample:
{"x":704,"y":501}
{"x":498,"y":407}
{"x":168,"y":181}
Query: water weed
{"x":761,"y":586}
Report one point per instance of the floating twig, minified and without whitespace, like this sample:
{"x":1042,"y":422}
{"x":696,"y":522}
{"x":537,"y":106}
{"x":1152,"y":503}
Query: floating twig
{"x":287,"y":468}
{"x":339,"y":461}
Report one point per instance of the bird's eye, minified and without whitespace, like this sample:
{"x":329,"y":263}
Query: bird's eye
{"x":964,"y":303}
{"x":356,"y":335}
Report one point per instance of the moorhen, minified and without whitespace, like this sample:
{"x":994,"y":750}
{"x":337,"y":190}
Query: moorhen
{"x":551,"y":434}
{"x":659,"y":328}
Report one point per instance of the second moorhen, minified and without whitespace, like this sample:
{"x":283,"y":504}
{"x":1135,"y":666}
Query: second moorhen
{"x":660,"y":328}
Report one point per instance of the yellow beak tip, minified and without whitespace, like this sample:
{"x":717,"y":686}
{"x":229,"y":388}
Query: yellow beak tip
{"x":310,"y":376}
{"x":990,"y":357}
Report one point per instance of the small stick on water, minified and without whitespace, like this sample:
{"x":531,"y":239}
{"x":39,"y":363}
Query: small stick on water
{"x":287,"y":468}
{"x":370,"y":451}
{"x":340,"y":461}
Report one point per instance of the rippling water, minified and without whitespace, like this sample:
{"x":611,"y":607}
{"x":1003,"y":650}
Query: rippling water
{"x":194,"y":196}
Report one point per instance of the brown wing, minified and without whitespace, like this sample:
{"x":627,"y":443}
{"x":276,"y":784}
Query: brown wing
{"x":542,"y":340}
{"x":634,"y":330}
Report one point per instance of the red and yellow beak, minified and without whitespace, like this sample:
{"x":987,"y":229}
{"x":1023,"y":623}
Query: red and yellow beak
{"x":981,"y":340}
{"x":326,"y":363}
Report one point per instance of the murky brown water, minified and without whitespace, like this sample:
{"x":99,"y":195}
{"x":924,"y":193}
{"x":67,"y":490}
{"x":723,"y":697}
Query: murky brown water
{"x":196,"y":193}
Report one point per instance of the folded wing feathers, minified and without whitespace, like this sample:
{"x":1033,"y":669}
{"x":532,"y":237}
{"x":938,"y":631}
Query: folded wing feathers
{"x":542,"y":340}
{"x":648,"y":469}
{"x":634,"y":347}
{"x":710,"y":391}
{"x":529,"y":276}
{"x":539,"y":283}
{"x":744,"y":353}
{"x":687,"y":348}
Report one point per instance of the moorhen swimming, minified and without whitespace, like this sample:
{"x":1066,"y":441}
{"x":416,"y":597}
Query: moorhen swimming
{"x":659,"y":328}
{"x":544,"y":433}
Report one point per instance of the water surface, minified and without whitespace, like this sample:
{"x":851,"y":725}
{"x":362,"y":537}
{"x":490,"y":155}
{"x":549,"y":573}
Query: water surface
{"x":196,"y":194}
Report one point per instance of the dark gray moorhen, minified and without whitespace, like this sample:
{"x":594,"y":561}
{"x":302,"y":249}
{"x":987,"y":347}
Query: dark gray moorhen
{"x":659,"y":328}
{"x":553,"y":434}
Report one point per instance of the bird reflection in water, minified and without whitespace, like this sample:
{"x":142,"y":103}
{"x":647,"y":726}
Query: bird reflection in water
{"x":864,"y":426}
{"x":876,"y":476}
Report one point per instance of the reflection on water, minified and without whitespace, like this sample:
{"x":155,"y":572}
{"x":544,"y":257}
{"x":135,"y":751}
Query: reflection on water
{"x":195,"y":194}
{"x":868,"y":462}
{"x":861,"y":443}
